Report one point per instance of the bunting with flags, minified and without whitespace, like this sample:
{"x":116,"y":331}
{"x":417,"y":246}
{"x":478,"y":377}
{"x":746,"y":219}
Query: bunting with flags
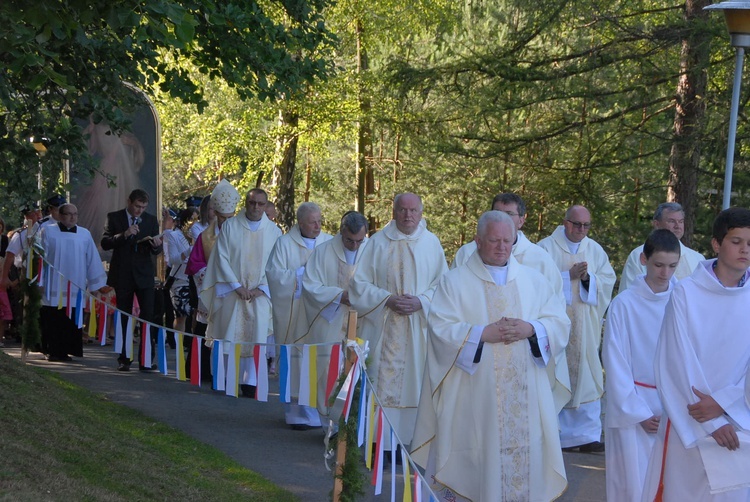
{"x":284,"y":375}
{"x":69,"y":304}
{"x":118,"y":331}
{"x":161,"y":351}
{"x":233,"y":370}
{"x":79,"y":309}
{"x":362,"y":415}
{"x":217,"y":356}
{"x":92,"y":327}
{"x":407,"y":477}
{"x":60,"y":280}
{"x":377,"y":472}
{"x":179,"y":357}
{"x":129,"y":338}
{"x":370,"y":429}
{"x":393,"y":466}
{"x":195,"y":361}
{"x":261,"y":373}
{"x":334,"y":370}
{"x":308,"y":378}
{"x":40,"y":276}
{"x":350,"y":385}
{"x":29,"y":264}
{"x":102,"y":328}
{"x":146,"y":355}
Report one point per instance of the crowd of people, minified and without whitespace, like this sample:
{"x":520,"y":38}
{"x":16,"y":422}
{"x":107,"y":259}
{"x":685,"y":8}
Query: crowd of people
{"x":488,"y":370}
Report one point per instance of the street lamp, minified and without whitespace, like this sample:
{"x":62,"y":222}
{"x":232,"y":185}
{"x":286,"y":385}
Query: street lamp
{"x":737,"y":16}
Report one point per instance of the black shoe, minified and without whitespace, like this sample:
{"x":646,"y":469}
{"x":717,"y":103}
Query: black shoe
{"x":300,"y":427}
{"x":147,"y":368}
{"x":248,"y":391}
{"x":592,"y":447}
{"x":123,"y":366}
{"x":59,"y":359}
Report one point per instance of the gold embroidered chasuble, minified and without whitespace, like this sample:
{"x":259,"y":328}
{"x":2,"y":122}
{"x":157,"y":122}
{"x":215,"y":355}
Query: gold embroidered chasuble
{"x":491,"y":435}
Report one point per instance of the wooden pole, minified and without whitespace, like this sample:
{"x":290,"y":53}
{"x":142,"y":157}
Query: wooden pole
{"x":338,"y":485}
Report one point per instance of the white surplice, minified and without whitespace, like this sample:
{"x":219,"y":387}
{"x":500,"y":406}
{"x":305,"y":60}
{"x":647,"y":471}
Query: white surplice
{"x":238,"y":259}
{"x":689,"y":259}
{"x":704,"y":343}
{"x":285,"y":269}
{"x":579,"y":420}
{"x":631,"y":331}
{"x":395,"y":263}
{"x":327,"y":275}
{"x":74,"y":255}
{"x":489,"y":431}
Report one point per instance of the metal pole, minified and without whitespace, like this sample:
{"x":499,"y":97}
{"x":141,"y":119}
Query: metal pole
{"x":734,"y":111}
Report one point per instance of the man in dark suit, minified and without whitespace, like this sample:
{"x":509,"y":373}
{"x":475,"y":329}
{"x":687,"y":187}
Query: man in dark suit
{"x":132,"y":269}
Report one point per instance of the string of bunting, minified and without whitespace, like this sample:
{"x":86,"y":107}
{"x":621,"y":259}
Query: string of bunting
{"x":372,"y":422}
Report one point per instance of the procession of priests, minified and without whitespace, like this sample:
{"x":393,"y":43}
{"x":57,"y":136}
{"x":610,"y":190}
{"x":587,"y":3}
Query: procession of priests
{"x":488,"y":372}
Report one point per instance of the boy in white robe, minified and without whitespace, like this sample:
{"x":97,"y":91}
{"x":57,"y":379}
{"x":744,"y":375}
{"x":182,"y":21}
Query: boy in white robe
{"x":633,"y":408}
{"x":702,"y":450}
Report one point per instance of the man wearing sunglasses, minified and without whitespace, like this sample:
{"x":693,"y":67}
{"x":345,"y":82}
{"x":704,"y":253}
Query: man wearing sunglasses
{"x":588,"y":280}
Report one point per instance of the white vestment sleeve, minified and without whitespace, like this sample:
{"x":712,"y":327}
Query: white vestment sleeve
{"x":543,"y":342}
{"x":567,"y":291}
{"x":224,"y":288}
{"x":329,"y":313}
{"x":465,"y":359}
{"x":589,"y":296}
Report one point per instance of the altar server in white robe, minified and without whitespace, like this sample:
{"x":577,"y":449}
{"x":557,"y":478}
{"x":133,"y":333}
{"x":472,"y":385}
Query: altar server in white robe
{"x":633,"y":408}
{"x":392,"y":291}
{"x":235,"y":289}
{"x":671,"y":216}
{"x":285,"y":270}
{"x":529,"y":254}
{"x":487,"y":424}
{"x":702,"y":450}
{"x":588,"y":279}
{"x":325,"y":293}
{"x":72,"y":252}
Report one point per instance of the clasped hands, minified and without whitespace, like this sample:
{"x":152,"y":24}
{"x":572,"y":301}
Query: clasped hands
{"x":248,"y":294}
{"x":404,"y":304}
{"x":579,"y":270}
{"x":507,"y":330}
{"x":707,"y":409}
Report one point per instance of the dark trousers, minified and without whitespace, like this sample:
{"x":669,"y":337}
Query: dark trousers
{"x":60,"y":335}
{"x":146,"y":303}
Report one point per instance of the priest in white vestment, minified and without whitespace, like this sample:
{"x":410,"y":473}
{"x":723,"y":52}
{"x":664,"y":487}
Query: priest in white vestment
{"x":72,"y":254}
{"x":588,"y":279}
{"x":325,"y":294}
{"x":235,"y":290}
{"x":529,"y":254}
{"x":487,"y":424}
{"x":671,"y":216}
{"x":633,"y":408}
{"x":392,"y":291}
{"x":285,"y":269}
{"x":701,"y":368}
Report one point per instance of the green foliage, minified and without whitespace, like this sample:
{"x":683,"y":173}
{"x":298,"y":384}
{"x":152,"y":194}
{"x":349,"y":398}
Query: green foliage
{"x":66,"y":60}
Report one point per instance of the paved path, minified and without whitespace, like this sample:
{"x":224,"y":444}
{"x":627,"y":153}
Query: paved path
{"x":252,"y":433}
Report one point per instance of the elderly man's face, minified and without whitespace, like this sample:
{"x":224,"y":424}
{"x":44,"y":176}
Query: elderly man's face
{"x":577,"y":224}
{"x":496,"y":243}
{"x":310,"y":224}
{"x":674,"y":221}
{"x":407,"y":213}
{"x":255,"y":206}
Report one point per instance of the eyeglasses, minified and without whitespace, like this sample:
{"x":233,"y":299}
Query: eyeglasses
{"x":353,"y":242}
{"x":511,"y":213}
{"x":579,"y":225}
{"x":255,"y":203}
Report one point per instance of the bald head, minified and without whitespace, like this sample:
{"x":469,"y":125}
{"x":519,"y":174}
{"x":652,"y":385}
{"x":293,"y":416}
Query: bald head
{"x":577,"y":223}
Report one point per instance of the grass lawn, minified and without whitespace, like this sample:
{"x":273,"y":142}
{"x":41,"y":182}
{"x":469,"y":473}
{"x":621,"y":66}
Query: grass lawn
{"x":62,"y":442}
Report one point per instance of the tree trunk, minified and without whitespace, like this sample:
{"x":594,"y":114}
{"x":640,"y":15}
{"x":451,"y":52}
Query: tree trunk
{"x":286,"y":148}
{"x":690,"y":111}
{"x":364,"y":131}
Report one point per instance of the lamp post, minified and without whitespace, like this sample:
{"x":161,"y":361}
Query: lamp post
{"x":737,"y":16}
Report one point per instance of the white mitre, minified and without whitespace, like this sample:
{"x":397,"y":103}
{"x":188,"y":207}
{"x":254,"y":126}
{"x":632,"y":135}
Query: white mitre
{"x":225,"y":198}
